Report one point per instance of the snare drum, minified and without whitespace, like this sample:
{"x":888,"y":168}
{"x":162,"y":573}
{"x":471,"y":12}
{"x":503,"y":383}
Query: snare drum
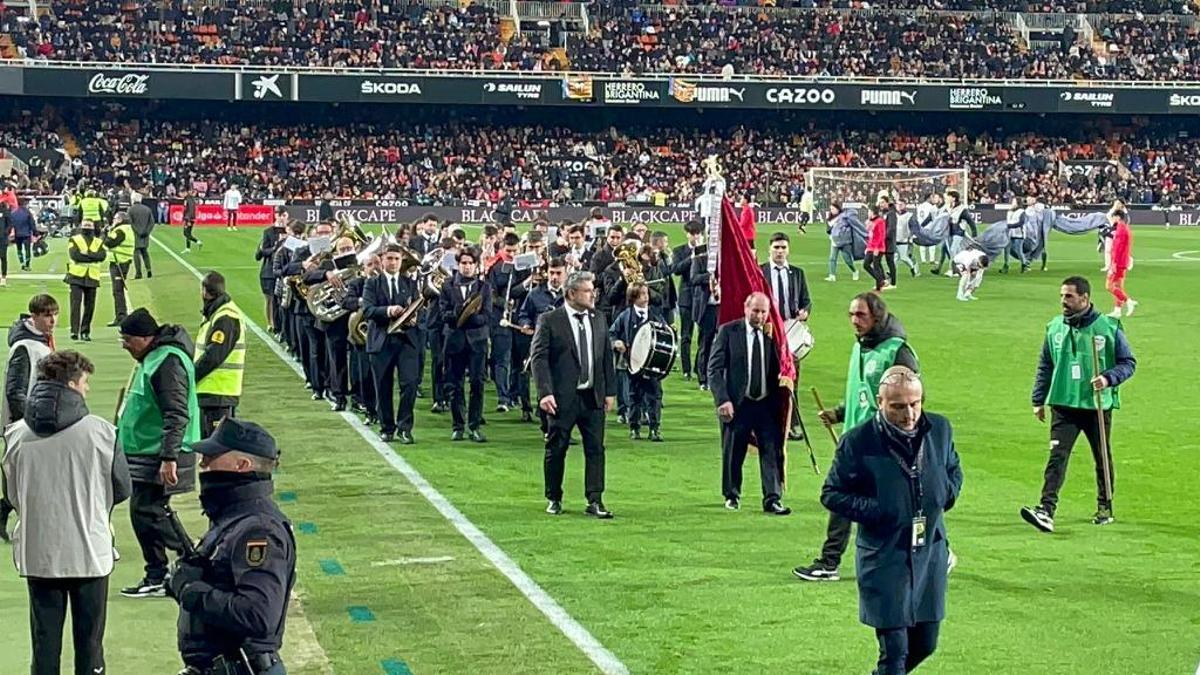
{"x":653,"y":351}
{"x":799,"y":338}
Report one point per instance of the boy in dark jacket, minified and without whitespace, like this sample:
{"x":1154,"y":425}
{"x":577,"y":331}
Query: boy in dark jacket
{"x":645,"y":393}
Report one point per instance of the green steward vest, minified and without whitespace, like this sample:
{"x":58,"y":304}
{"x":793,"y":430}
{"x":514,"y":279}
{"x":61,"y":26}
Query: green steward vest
{"x":862,"y":382}
{"x":84,"y":270}
{"x":123,"y":253}
{"x":140,"y":427}
{"x":1071,"y":352}
{"x":226,"y":379}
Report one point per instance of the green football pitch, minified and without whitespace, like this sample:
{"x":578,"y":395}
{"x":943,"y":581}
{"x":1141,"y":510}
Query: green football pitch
{"x":675,"y":583}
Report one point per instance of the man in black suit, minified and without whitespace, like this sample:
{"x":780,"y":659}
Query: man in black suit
{"x":337,"y":332}
{"x":465,"y":349}
{"x":421,"y":241}
{"x":602,"y":260}
{"x":789,"y":289}
{"x":743,"y":373}
{"x":706,"y":301}
{"x":681,"y":266}
{"x":384,"y":297}
{"x":576,"y":384}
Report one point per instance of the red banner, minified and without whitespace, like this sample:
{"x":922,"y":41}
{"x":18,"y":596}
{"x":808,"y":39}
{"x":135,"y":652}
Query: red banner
{"x":213,"y":215}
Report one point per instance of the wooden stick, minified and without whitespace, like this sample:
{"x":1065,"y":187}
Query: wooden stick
{"x":1100,"y":419}
{"x":820,"y":407}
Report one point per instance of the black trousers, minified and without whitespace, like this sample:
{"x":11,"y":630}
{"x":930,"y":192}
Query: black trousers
{"x":837,"y":538}
{"x":889,"y":258}
{"x":1065,"y":425}
{"x":141,"y":256}
{"x":901,"y":650}
{"x":362,"y":385}
{"x":81,"y":324}
{"x":118,"y":273}
{"x":211,"y":416}
{"x":589,"y":419}
{"x":398,"y":360}
{"x":873,"y":262}
{"x":149,"y":511}
{"x":317,"y":360}
{"x":686,"y":326}
{"x":708,"y":332}
{"x":438,"y":365}
{"x":519,"y":378}
{"x":502,"y":363}
{"x":48,"y":600}
{"x":469,"y":363}
{"x":188,"y":237}
{"x":757,"y":417}
{"x":231,"y":218}
{"x":337,"y":357}
{"x":645,"y":398}
{"x":4,"y":256}
{"x":24,"y":250}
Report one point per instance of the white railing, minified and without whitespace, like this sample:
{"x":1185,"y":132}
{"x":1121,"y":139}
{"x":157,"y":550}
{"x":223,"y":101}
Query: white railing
{"x":556,"y":75}
{"x":1085,"y":30}
{"x":548,"y":11}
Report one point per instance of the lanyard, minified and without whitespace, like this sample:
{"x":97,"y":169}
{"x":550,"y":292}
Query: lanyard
{"x":913,"y":472}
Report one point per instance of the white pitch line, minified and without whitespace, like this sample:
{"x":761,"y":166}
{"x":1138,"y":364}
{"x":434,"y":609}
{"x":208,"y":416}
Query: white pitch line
{"x":413,"y":561}
{"x":26,"y":276}
{"x":604,"y":659}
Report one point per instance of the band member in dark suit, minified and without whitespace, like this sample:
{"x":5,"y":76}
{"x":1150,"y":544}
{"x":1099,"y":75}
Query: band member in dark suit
{"x":337,"y":332}
{"x":743,"y":373}
{"x":681,"y":266}
{"x":362,"y":385}
{"x":435,"y":341}
{"x":312,"y":339}
{"x":422,"y":241}
{"x":602,"y":260}
{"x":578,"y":255}
{"x":576,"y":384}
{"x":272,"y":237}
{"x":466,"y":305}
{"x":645,"y":393}
{"x":498,"y":278}
{"x":542,"y":298}
{"x":706,"y":299}
{"x":384,"y":298}
{"x":789,"y":289}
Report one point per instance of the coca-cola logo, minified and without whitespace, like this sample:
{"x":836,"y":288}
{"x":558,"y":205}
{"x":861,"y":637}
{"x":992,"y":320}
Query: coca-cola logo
{"x":129,"y":83}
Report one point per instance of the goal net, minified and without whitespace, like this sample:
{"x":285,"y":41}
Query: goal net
{"x":859,"y":187}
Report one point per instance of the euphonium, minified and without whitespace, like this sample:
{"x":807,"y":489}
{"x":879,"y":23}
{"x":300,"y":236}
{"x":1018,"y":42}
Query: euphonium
{"x":631,"y":265}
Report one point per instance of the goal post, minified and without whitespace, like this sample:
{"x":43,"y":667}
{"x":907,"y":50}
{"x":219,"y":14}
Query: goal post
{"x":861,"y":186}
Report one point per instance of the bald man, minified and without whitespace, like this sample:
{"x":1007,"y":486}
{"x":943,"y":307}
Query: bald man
{"x":743,"y":375}
{"x":895,"y":476}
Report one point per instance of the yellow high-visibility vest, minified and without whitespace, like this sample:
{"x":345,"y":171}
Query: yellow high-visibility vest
{"x":225,"y":379}
{"x":84,"y":270}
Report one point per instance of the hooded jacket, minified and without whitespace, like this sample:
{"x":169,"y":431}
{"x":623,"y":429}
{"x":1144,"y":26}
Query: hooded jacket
{"x":64,"y":476}
{"x":889,"y":327}
{"x":18,"y":379}
{"x":1123,"y":370}
{"x":170,"y":385}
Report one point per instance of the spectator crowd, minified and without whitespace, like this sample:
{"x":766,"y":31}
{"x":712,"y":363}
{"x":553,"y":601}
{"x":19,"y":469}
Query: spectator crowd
{"x":435,"y":159}
{"x":837,"y":38}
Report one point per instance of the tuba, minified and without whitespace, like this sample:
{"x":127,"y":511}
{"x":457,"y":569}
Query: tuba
{"x":324,"y":299}
{"x":430,"y":276}
{"x":358,"y":328}
{"x":631,"y":265}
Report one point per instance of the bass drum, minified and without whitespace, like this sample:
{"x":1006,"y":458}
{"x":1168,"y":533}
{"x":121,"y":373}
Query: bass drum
{"x":799,"y":337}
{"x":653,"y":351}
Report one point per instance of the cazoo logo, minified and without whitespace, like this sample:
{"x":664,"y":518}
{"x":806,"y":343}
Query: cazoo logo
{"x":801,"y":95}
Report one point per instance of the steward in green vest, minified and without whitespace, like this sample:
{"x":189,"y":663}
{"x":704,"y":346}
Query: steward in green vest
{"x":1067,"y":381}
{"x":220,"y":354}
{"x":85,"y":255}
{"x":119,"y":242}
{"x":157,"y":425}
{"x":880,"y":343}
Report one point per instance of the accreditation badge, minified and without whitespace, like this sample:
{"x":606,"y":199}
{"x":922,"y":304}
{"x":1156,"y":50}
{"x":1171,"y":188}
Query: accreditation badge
{"x":918,"y":532}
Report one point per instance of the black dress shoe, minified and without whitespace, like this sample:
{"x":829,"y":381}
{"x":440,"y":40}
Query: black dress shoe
{"x":621,"y":419}
{"x":115,"y":323}
{"x":597,"y":510}
{"x":337,"y":406}
{"x":635,"y":435}
{"x":655,"y":437}
{"x":526,"y":416}
{"x":359,"y":408}
{"x":317,"y":396}
{"x":370,"y":420}
{"x":387,"y":437}
{"x":732,"y":504}
{"x":86,"y":337}
{"x":420,"y":393}
{"x":457,"y":436}
{"x":776,"y":509}
{"x":477,"y":437}
{"x":75,"y":336}
{"x":795,"y":435}
{"x":406,"y":438}
{"x":554,"y":508}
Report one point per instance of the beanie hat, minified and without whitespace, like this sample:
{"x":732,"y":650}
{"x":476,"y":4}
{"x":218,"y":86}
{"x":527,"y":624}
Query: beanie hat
{"x":139,"y":323}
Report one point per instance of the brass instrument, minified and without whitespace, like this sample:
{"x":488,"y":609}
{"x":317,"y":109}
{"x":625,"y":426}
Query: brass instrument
{"x":627,"y":255}
{"x":470,"y":308}
{"x":431,"y":275}
{"x":358,"y":328}
{"x":324,"y":299}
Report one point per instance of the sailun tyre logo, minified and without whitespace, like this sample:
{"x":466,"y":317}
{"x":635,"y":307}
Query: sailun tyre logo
{"x":800,"y":95}
{"x":527,"y":90}
{"x":129,"y":83}
{"x":1094,"y":99}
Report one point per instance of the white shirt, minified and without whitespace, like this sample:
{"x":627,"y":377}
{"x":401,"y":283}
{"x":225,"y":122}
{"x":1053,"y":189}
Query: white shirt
{"x":587,"y":331}
{"x":751,"y":333}
{"x":776,"y":273}
{"x":233,"y":199}
{"x":903,"y":231}
{"x":969,"y":258}
{"x":641,"y":313}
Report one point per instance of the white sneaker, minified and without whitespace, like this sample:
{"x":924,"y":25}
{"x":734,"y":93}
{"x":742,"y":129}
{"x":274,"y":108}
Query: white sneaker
{"x":830,"y":278}
{"x":855,"y":276}
{"x":972,"y":297}
{"x":963,"y":298}
{"x":185,"y":251}
{"x":950,"y":273}
{"x":1130,"y":305}
{"x":1116,"y":313}
{"x":3,"y":281}
{"x":951,"y":561}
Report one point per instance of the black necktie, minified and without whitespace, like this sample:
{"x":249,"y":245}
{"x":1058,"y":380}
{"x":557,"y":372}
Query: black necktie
{"x":585,"y":354}
{"x":756,"y":375}
{"x":780,"y":295}
{"x":395,"y":284}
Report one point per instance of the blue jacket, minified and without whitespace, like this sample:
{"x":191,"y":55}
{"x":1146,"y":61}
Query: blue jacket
{"x":626,"y":325}
{"x":22,"y":222}
{"x":898,"y":586}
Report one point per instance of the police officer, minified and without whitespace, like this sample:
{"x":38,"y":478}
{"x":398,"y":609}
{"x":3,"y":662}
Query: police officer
{"x":233,"y":593}
{"x":85,"y":254}
{"x":220,"y":354}
{"x":119,"y":242}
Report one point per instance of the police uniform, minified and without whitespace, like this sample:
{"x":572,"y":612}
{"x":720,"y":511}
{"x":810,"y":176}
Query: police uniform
{"x":233,"y":593}
{"x":220,"y":361}
{"x":85,"y":254}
